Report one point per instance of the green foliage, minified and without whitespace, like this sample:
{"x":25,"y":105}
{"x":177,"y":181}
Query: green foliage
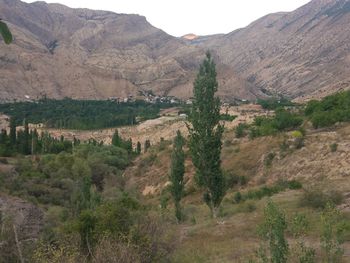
{"x":299,"y":227}
{"x":233,"y":180}
{"x":147,"y":145}
{"x":316,"y":198}
{"x":272,"y":230}
{"x":138,"y":148}
{"x":64,"y":179}
{"x":331,"y":235}
{"x":333,"y":147}
{"x":329,"y":110}
{"x":30,"y":142}
{"x":269,"y":158}
{"x":205,"y":135}
{"x":274,"y":103}
{"x":240,"y":130}
{"x":282,"y":121}
{"x":267,"y":191}
{"x":177,"y":171}
{"x":82,"y":114}
{"x":5,"y":33}
{"x":237,"y":197}
{"x":227,"y":117}
{"x":121,"y":143}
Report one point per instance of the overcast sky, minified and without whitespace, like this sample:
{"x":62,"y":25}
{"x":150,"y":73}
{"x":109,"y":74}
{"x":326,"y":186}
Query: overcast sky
{"x":202,"y":17}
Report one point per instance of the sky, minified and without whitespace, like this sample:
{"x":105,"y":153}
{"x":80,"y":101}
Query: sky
{"x":201,"y":17}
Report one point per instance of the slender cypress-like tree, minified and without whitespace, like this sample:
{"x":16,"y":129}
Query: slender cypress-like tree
{"x":26,"y":139}
{"x":138,"y":148}
{"x":116,"y":140}
{"x":13,"y":133}
{"x":177,"y":171}
{"x":147,"y":145}
{"x":205,"y":135}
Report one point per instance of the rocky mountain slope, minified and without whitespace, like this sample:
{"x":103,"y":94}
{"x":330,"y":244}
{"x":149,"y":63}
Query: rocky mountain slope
{"x":305,"y":53}
{"x":81,"y":53}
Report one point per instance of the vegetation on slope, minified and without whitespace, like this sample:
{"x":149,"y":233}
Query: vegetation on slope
{"x":82,"y":114}
{"x":330,"y":110}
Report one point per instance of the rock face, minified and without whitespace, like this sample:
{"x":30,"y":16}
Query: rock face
{"x":80,"y":53}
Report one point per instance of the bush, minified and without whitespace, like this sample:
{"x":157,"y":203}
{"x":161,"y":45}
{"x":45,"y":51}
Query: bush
{"x":282,"y":121}
{"x":271,"y":190}
{"x":318,"y":199}
{"x":237,"y":197}
{"x":334,"y":147}
{"x":240,"y":130}
{"x":274,"y":103}
{"x":294,"y":185}
{"x":247,"y":207}
{"x":233,"y":180}
{"x":329,"y":110}
{"x":269,"y":158}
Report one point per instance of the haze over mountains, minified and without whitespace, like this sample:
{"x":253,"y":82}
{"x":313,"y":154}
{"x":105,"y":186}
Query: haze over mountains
{"x":80,"y":53}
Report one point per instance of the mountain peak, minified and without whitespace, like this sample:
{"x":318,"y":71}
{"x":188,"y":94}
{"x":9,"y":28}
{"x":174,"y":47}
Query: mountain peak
{"x":190,"y":36}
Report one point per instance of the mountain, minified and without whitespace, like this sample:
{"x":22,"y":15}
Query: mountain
{"x":80,"y":53}
{"x":301,"y":54}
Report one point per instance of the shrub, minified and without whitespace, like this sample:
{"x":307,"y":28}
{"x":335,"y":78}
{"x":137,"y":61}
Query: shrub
{"x":269,"y":158}
{"x":294,"y":185}
{"x":240,"y":130}
{"x":274,"y":103}
{"x":271,"y":190}
{"x":316,"y":198}
{"x":233,"y":180}
{"x":237,"y":197}
{"x":283,"y":120}
{"x":329,"y":110}
{"x":334,"y":147}
{"x":247,"y":207}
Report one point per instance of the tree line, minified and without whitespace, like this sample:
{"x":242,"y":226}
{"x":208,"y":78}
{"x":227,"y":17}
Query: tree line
{"x":82,"y":114}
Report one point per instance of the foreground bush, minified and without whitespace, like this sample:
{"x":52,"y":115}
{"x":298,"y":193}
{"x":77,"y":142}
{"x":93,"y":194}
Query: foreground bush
{"x":316,"y":198}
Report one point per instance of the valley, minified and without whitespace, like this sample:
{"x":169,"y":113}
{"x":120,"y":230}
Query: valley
{"x":120,"y":143}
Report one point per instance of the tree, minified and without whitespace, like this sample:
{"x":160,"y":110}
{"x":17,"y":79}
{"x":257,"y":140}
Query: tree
{"x":5,"y":32}
{"x":13,"y":131}
{"x":273,"y":231}
{"x":205,"y":135}
{"x":147,"y":145}
{"x":138,"y":148}
{"x":117,"y":140}
{"x":177,"y":171}
{"x":331,"y":234}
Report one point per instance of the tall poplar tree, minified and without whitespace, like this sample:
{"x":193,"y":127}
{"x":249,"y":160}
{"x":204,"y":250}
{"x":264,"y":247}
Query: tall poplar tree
{"x":13,"y":132}
{"x":205,"y":135}
{"x":177,"y":171}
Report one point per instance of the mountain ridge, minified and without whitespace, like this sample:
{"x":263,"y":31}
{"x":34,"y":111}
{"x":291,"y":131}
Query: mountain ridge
{"x":80,"y":53}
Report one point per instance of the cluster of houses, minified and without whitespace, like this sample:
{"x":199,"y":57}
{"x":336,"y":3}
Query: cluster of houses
{"x":148,"y":96}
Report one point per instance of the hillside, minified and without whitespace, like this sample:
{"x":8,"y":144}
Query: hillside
{"x":113,"y":202}
{"x":80,"y":53}
{"x":301,"y":54}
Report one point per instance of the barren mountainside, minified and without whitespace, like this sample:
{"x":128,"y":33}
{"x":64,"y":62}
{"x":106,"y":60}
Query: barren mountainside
{"x":81,"y":53}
